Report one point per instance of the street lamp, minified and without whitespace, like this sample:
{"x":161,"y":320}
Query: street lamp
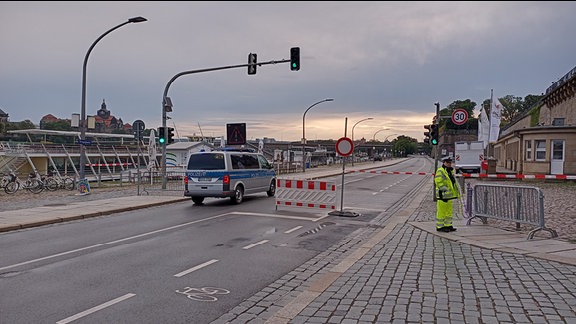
{"x":374,"y":137}
{"x":386,"y":139}
{"x":358,"y":122}
{"x":304,"y":132}
{"x":83,"y":124}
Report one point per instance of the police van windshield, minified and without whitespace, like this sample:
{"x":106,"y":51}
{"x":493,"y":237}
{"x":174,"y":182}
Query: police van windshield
{"x":208,"y":161}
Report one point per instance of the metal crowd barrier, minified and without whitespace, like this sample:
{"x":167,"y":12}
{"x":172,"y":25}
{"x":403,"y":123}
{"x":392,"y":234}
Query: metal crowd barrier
{"x":151,"y":181}
{"x":522,"y":205}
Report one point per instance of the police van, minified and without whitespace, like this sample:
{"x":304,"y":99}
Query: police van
{"x":228,"y":174}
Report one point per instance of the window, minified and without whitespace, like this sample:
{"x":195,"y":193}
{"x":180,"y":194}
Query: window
{"x":557,"y":150}
{"x":558,"y":122}
{"x":540,"y":150}
{"x":528,"y":150}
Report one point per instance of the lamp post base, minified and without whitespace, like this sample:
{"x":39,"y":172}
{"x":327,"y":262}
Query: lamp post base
{"x":343,"y":213}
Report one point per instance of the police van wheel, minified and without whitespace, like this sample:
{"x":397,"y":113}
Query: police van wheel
{"x":272,"y":191}
{"x":238,"y":195}
{"x":198,"y":200}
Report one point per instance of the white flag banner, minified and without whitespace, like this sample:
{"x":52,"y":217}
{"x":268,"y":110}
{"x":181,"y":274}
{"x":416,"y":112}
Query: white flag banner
{"x":483,"y":127}
{"x":495,"y":116}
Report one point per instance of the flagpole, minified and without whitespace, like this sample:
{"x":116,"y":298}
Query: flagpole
{"x":490,"y":124}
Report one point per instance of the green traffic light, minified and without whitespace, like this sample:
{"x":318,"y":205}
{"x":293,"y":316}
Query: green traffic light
{"x":434,"y":142}
{"x":161,"y":140}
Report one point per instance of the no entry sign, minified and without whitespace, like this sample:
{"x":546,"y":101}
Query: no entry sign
{"x":344,"y":146}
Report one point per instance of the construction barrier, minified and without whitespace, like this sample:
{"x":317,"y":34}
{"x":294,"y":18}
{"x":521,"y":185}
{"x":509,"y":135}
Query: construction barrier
{"x":305,"y":193}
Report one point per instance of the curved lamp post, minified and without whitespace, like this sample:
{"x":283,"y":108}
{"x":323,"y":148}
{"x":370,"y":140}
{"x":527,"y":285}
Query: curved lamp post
{"x":389,"y":136}
{"x":358,"y":122}
{"x":374,"y":137}
{"x":83,"y":124}
{"x":304,"y":132}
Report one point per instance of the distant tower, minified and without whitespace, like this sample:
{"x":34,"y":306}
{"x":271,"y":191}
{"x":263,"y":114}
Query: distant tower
{"x":103,"y":112}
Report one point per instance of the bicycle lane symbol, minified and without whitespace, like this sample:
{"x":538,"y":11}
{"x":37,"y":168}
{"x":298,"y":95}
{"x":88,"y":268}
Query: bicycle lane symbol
{"x":204,"y":293}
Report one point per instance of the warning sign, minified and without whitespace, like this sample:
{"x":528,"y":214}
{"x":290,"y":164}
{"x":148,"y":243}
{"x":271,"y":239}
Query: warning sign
{"x":236,"y":134}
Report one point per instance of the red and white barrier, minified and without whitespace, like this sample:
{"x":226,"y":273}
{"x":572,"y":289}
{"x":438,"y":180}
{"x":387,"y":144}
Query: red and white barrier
{"x":107,"y":164}
{"x":305,"y":193}
{"x":484,"y":175}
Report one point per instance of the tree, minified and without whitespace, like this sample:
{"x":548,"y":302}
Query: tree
{"x":405,"y":145}
{"x":59,"y":125}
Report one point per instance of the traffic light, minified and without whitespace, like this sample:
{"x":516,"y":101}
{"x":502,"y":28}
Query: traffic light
{"x":170,"y":131}
{"x":252,"y":62}
{"x":295,"y":58}
{"x":427,"y":134}
{"x":162,"y":135}
{"x":434,"y":134}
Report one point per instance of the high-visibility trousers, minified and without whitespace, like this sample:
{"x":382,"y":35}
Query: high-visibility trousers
{"x":443,"y":213}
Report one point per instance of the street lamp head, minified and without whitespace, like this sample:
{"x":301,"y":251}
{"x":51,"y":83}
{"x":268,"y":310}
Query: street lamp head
{"x":137,"y":20}
{"x":329,"y":99}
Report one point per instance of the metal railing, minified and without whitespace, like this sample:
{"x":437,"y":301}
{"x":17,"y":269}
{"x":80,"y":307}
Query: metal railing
{"x":522,"y":205}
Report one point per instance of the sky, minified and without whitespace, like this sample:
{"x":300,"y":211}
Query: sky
{"x":389,"y":61}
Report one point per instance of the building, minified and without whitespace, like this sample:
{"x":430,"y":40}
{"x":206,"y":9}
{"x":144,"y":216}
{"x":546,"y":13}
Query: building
{"x":543,"y":141}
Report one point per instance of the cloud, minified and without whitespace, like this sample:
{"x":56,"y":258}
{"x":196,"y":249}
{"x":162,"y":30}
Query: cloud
{"x":386,"y":60}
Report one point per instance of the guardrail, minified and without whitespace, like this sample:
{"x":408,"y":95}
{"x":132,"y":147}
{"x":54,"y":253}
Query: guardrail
{"x":519,"y":204}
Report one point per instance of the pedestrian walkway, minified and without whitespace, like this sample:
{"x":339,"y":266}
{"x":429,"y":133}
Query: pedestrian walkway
{"x":398,"y":269}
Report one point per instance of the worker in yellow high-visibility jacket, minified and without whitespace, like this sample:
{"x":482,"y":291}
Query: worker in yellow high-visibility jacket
{"x":446,"y":191}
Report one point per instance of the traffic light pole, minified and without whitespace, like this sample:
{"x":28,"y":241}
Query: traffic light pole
{"x":167,"y":103}
{"x":437,"y":104}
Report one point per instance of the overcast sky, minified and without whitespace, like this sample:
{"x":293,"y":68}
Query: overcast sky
{"x":390,"y":61}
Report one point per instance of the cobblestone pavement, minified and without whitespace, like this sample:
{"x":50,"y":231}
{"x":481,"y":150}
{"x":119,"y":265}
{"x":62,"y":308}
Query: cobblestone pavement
{"x":411,"y":276}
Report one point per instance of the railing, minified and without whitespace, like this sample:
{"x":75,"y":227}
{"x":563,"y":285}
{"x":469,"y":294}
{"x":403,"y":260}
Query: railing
{"x":510,"y":203}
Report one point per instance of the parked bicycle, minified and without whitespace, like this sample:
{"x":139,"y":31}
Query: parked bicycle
{"x":32,"y":184}
{"x":67,"y":183}
{"x":9,"y":183}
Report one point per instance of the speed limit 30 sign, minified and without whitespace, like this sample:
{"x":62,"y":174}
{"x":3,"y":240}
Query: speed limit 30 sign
{"x":459,"y":116}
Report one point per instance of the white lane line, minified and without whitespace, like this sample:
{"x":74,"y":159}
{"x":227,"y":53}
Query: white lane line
{"x":293,"y":229}
{"x":165,"y":229}
{"x":254,"y":244}
{"x":272,"y":215}
{"x":95,"y":309}
{"x":200,"y":266}
{"x":109,"y":243}
{"x":50,"y":256}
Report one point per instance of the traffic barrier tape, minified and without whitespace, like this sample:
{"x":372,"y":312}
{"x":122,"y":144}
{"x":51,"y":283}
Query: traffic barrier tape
{"x":483,"y":175}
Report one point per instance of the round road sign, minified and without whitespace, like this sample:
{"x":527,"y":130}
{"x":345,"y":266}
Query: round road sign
{"x":344,"y":146}
{"x":459,"y":116}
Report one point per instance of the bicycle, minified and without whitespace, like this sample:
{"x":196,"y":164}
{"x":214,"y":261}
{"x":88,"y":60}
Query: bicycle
{"x":9,"y":183}
{"x":32,"y":184}
{"x":64,"y":183}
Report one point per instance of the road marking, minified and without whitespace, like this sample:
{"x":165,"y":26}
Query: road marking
{"x":110,"y":243}
{"x":249,"y":246}
{"x":95,"y":309}
{"x":272,"y":215}
{"x":204,"y":293}
{"x":156,"y":232}
{"x":293,"y":229}
{"x":200,"y":266}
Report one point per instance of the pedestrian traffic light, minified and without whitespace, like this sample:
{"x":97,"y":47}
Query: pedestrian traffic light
{"x":427,"y":134}
{"x":295,"y":58}
{"x":252,"y":63}
{"x":434,"y":134}
{"x":162,"y":135}
{"x":170,"y":131}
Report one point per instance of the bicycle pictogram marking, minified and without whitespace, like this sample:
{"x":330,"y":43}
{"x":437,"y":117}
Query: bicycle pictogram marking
{"x":204,"y":293}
